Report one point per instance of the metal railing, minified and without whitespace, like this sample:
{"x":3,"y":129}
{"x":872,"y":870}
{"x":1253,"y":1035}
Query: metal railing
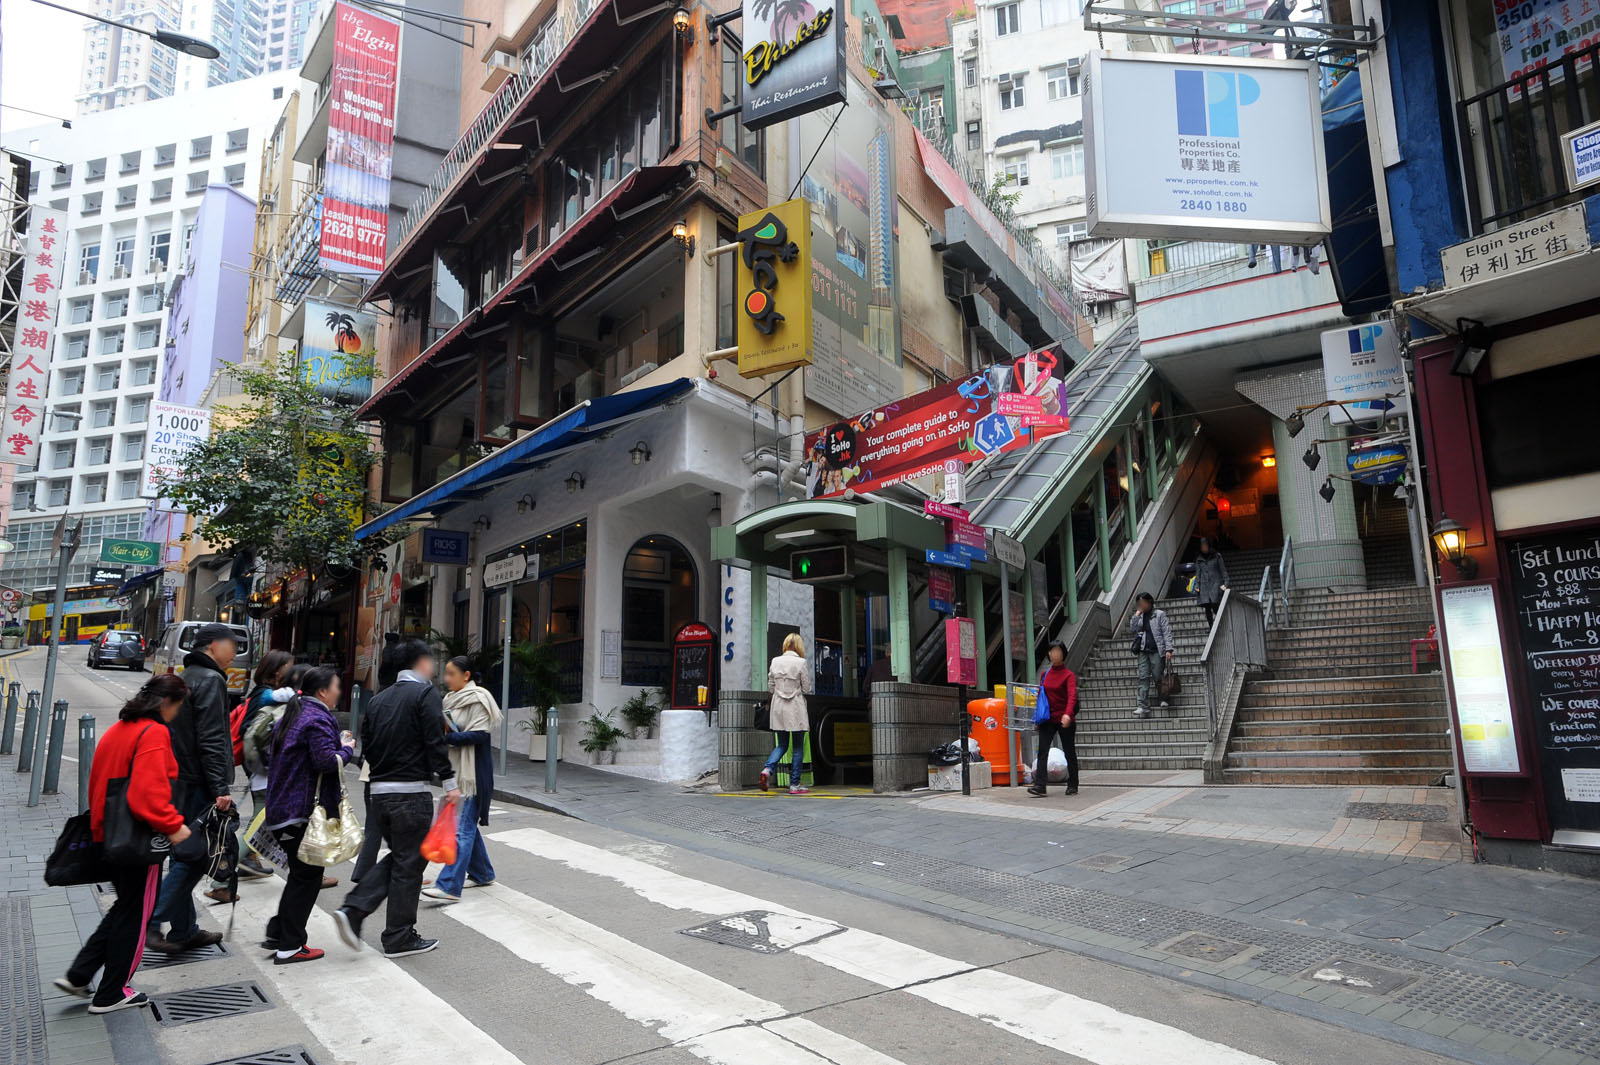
{"x":1272,"y":604}
{"x":1170,"y":257}
{"x":1511,"y":151}
{"x":1238,"y":641}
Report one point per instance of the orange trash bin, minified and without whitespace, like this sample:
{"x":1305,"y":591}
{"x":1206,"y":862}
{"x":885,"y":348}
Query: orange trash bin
{"x":989,"y":729}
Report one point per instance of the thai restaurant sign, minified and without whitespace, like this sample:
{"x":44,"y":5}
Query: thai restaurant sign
{"x":337,"y":342}
{"x":33,"y":336}
{"x":793,"y":59}
{"x":961,"y":421}
{"x":355,"y":199}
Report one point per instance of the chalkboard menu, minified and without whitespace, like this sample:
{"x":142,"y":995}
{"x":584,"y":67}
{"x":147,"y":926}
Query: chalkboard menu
{"x":693,"y":666}
{"x":1556,"y":581}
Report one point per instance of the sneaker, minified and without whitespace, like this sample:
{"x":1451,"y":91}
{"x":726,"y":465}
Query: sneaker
{"x":348,"y":922}
{"x":249,"y":870}
{"x":1141,"y":713}
{"x":1072,"y":791}
{"x":1037,"y":793}
{"x":417,"y":945}
{"x":303,"y":954}
{"x":480,"y":883}
{"x":798,"y":790}
{"x":75,"y":990}
{"x":201,"y":938}
{"x":131,"y":999}
{"x":440,"y":895}
{"x":221,"y":895}
{"x":766,"y":779}
{"x":1165,"y":704}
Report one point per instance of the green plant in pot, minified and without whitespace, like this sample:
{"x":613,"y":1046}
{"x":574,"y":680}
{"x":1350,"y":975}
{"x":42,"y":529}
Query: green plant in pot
{"x":600,"y":739}
{"x":539,"y":674}
{"x":640,"y":712}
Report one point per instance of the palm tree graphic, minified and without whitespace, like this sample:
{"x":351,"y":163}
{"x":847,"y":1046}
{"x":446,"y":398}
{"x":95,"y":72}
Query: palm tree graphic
{"x":345,"y":338}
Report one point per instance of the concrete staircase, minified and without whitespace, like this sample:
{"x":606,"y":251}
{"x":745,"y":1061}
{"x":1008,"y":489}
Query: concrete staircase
{"x":1339,"y":704}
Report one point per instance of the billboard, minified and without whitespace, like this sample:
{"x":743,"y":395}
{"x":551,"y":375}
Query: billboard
{"x":1212,"y":148}
{"x":355,"y":195}
{"x":793,"y":59}
{"x":961,"y":421}
{"x":774,"y":282}
{"x":1361,"y":369}
{"x":335,"y":338}
{"x":173,"y":431}
{"x":34,"y":336}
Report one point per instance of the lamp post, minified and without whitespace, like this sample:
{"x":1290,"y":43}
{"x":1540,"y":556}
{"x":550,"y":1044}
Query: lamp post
{"x":178,"y":41}
{"x":66,"y":543}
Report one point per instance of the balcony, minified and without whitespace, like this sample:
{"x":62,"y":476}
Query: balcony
{"x":297,"y":257}
{"x":1264,"y":313}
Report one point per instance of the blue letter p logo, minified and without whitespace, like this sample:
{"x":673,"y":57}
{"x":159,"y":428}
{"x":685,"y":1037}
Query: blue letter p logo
{"x":1209,"y":101}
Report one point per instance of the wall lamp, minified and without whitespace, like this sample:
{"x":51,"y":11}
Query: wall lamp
{"x":575,"y":482}
{"x":525,"y":504}
{"x":1294,"y":423}
{"x":683,"y":25}
{"x":1268,"y":461}
{"x":639,"y":453}
{"x":1326,"y":491}
{"x":681,"y":234}
{"x":1472,"y":346}
{"x":482,"y":522}
{"x":1450,"y":540}
{"x":1312,"y":458}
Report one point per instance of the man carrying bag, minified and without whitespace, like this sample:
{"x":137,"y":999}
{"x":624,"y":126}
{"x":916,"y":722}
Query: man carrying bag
{"x":1152,"y":648}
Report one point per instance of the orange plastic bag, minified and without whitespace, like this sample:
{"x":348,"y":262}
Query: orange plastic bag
{"x":439,"y":845}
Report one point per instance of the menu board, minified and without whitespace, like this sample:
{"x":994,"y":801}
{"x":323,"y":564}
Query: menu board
{"x":1556,"y":581}
{"x":1478,"y":679}
{"x":692,"y":665}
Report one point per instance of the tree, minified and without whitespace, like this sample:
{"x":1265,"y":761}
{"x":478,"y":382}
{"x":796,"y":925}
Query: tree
{"x":284,"y":473}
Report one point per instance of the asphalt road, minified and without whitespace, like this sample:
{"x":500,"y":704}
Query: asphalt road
{"x":577,"y":955}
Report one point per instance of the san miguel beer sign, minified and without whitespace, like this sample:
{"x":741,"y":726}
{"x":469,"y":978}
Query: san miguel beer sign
{"x":793,"y":59}
{"x":774,"y":284}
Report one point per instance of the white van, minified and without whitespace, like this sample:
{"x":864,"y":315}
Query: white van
{"x":178,"y":640}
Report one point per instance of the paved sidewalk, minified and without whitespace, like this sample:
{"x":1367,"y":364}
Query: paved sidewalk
{"x":1482,"y":963}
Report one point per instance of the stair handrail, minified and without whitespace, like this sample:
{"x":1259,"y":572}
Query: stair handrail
{"x":1286,"y":574}
{"x":1237,"y":639}
{"x":1264,"y":595}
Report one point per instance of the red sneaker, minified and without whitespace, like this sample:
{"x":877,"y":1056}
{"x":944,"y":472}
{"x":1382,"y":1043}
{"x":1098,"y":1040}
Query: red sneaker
{"x":766,"y":779}
{"x":303,"y":954}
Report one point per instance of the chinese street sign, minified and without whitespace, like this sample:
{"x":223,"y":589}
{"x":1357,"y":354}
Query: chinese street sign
{"x":1539,"y":240}
{"x":941,"y":590}
{"x":1009,"y":551}
{"x":34,"y":337}
{"x":947,"y":559}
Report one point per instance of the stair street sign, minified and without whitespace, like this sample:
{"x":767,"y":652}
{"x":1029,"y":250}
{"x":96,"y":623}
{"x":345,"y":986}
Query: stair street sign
{"x":130,"y":552}
{"x":946,"y":558}
{"x":508,"y":570}
{"x":1009,"y":551}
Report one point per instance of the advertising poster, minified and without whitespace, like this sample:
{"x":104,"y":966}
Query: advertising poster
{"x":1361,"y":370}
{"x":173,"y":431}
{"x":855,"y":254}
{"x":355,"y":200}
{"x":1478,"y":678}
{"x":34,"y":336}
{"x":961,"y":421}
{"x":337,"y":338}
{"x":1532,"y":34}
{"x":793,"y":59}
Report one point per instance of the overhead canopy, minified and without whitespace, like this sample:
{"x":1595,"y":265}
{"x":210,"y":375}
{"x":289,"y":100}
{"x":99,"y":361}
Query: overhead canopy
{"x":1355,"y":246}
{"x":574,"y":427}
{"x":140,"y":581}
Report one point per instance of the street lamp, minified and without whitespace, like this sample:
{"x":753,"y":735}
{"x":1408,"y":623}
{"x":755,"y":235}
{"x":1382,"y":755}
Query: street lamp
{"x":178,"y":41}
{"x":1450,"y":540}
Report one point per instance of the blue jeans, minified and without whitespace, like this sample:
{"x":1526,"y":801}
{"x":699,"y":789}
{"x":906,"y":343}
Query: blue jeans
{"x":796,"y":743}
{"x":175,"y":904}
{"x":472,"y":858}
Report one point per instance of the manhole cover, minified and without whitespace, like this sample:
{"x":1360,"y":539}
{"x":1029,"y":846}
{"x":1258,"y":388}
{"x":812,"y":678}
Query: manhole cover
{"x":208,"y":1003}
{"x":763,"y":931}
{"x":1354,"y":976}
{"x":281,"y":1056}
{"x":1205,"y":947}
{"x":1106,"y":863}
{"x":1396,"y":811}
{"x":154,"y":959}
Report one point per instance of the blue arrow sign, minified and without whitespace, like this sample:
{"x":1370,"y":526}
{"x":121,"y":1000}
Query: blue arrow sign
{"x":966,"y":551}
{"x":945,"y":558}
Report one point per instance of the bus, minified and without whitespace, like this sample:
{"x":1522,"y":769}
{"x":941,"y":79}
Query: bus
{"x":90,"y":610}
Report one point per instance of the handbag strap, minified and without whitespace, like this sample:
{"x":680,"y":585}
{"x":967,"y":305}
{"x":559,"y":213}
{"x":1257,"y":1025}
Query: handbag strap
{"x":136,"y":741}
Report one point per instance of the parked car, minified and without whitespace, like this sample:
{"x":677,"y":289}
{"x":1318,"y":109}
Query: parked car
{"x":117,"y":647}
{"x":178,"y":640}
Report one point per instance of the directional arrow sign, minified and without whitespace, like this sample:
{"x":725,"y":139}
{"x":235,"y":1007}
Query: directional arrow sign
{"x":945,"y":558}
{"x":1012,"y":404}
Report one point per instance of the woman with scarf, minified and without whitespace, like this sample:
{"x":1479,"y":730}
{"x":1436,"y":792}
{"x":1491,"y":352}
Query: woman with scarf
{"x":471,"y":716}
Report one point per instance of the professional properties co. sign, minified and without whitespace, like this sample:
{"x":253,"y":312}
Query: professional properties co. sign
{"x":793,"y":59}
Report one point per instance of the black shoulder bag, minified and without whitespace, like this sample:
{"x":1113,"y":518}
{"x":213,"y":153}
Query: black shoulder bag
{"x":128,"y":840}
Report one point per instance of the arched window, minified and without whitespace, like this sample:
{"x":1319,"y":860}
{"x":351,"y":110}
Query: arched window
{"x":659,"y":594}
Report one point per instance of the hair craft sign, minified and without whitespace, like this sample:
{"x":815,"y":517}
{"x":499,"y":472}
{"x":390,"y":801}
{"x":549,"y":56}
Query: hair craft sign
{"x":793,"y":59}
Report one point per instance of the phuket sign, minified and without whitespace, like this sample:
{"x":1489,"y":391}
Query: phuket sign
{"x":1211,"y":148}
{"x":961,"y":421}
{"x":355,"y":201}
{"x":338,"y":342}
{"x":795,"y":61}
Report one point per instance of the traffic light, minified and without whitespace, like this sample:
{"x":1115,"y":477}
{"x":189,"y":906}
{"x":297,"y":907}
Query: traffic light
{"x":815,"y":565}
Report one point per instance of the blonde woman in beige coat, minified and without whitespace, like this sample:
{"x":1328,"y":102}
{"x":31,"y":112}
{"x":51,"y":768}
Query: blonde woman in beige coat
{"x":789,"y":679}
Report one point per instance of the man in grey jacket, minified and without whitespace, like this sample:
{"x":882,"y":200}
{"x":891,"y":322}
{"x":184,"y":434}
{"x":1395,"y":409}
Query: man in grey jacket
{"x":1152,"y":648}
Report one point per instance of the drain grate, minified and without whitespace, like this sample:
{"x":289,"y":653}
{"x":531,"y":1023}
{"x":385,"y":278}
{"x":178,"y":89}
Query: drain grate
{"x":1105,"y":863}
{"x":281,"y":1056}
{"x":763,"y":931}
{"x":154,"y":959}
{"x":1205,"y":947}
{"x":1353,"y":976}
{"x":21,"y":1007}
{"x":208,"y":1003}
{"x":1395,"y":811}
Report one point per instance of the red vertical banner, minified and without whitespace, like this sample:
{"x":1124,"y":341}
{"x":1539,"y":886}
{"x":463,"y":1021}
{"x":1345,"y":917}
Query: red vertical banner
{"x":355,"y":200}
{"x":34,"y":336}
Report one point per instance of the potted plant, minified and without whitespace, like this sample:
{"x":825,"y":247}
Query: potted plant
{"x":640,"y":712}
{"x":600,"y":739}
{"x":538,"y":673}
{"x":11,"y":637}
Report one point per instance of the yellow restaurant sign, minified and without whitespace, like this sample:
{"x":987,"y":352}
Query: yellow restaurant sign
{"x":774,"y":277}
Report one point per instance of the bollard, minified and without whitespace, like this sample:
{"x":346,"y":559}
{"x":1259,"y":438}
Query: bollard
{"x":58,"y":741}
{"x":30,"y":725}
{"x":552,"y":747}
{"x":85,"y":759}
{"x":358,"y":703}
{"x":41,"y":732}
{"x":8,"y":739}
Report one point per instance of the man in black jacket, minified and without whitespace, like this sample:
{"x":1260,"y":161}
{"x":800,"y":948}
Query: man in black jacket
{"x":402,"y":740}
{"x":202,"y":743}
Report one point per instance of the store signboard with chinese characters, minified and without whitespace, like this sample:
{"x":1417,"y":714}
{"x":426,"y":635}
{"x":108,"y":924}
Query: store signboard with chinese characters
{"x":1515,"y":248}
{"x":1361,"y":368}
{"x":33,"y":336}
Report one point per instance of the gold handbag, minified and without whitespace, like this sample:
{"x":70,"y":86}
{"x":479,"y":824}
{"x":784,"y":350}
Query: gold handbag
{"x":331,"y":841}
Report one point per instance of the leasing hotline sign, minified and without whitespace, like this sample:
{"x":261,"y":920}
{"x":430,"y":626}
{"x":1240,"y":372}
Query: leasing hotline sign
{"x":355,"y":200}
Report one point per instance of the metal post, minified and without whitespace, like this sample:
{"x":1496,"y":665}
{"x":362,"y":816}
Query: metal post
{"x":57,"y":621}
{"x":1005,"y":655}
{"x":41,"y":731}
{"x":966,"y":733}
{"x":58,"y":741}
{"x":505,"y":681}
{"x":85,"y":759}
{"x":30,"y":726}
{"x":552,"y":747}
{"x":8,"y":739}
{"x":358,"y":706}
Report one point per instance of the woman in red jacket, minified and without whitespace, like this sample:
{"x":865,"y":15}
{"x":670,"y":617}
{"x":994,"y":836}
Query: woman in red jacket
{"x":1059,"y":687}
{"x":139,"y":747}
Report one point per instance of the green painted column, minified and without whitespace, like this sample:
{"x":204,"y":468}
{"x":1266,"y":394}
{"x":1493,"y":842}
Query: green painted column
{"x":1028,"y":663}
{"x":1069,"y":569}
{"x":847,"y":634}
{"x":1152,"y":474}
{"x":1130,"y":499}
{"x":899,"y":615}
{"x":758,"y":626}
{"x":976,"y":611}
{"x":1102,"y":530}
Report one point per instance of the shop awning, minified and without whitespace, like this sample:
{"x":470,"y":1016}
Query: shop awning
{"x":140,"y":581}
{"x":576,"y":426}
{"x":1355,"y":246}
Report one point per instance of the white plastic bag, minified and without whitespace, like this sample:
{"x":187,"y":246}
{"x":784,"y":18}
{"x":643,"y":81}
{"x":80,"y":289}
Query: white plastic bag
{"x":1058,"y":766}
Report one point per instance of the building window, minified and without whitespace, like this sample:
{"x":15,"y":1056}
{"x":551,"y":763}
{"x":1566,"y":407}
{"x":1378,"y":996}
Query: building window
{"x":1058,"y":12}
{"x":238,"y":140}
{"x":1066,"y":160}
{"x":234,"y":175}
{"x":144,"y":373}
{"x":122,"y":258}
{"x":91,"y":204}
{"x":63,"y":455}
{"x":1062,"y":81}
{"x":130,"y":163}
{"x":133,"y":447}
{"x":1016,"y":171}
{"x":974,"y":138}
{"x":94,"y":170}
{"x":166,"y":154}
{"x":79,"y":311}
{"x":197,"y":181}
{"x":659,"y":596}
{"x":111,"y":343}
{"x":969,"y":72}
{"x":72,"y":383}
{"x":1068,"y":232}
{"x":1005,"y":19}
{"x":548,"y":610}
{"x":160,"y":250}
{"x":749,"y":148}
{"x":100,"y":451}
{"x":106,"y":378}
{"x":116,"y":304}
{"x":1011,"y":91}
{"x":94,"y":489}
{"x":161,"y":191}
{"x":60,"y":493}
{"x":22,"y":498}
{"x":89,"y":264}
{"x":138,"y":409}
{"x":200,"y":148}
{"x":128,"y":484}
{"x":127,"y":196}
{"x":102,"y":415}
{"x":77,"y":347}
{"x":149,"y":299}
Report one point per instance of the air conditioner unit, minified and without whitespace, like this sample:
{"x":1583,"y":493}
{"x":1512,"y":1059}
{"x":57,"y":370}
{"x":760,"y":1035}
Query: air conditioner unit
{"x":156,"y":266}
{"x":119,"y":272}
{"x":498,"y":67}
{"x":85,"y":277}
{"x":637,"y":372}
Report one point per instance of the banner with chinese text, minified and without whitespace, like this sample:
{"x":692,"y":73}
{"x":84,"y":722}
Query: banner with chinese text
{"x":355,"y":199}
{"x":35,"y":336}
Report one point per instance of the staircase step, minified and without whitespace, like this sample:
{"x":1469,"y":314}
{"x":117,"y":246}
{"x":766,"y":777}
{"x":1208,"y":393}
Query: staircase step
{"x":1343,"y":776}
{"x":1396,"y":682}
{"x":1324,"y":743}
{"x":1250,"y":728}
{"x":1408,"y":757}
{"x":1151,"y":762}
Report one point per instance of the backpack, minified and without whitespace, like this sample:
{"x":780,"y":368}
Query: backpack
{"x":257,"y":737}
{"x":236,"y":730}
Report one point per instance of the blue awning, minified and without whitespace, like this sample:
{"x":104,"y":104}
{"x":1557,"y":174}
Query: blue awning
{"x":1355,"y":246}
{"x":141,"y":580}
{"x":574,"y":427}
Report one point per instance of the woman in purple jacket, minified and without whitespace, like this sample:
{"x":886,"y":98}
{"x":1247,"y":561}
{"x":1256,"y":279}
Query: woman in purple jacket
{"x":307,"y":750}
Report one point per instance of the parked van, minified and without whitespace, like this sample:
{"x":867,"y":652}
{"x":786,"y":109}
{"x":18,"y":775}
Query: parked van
{"x":178,"y":640}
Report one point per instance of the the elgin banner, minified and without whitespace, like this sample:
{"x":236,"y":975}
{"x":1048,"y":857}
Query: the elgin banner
{"x":355,"y":202}
{"x":1001,"y":409}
